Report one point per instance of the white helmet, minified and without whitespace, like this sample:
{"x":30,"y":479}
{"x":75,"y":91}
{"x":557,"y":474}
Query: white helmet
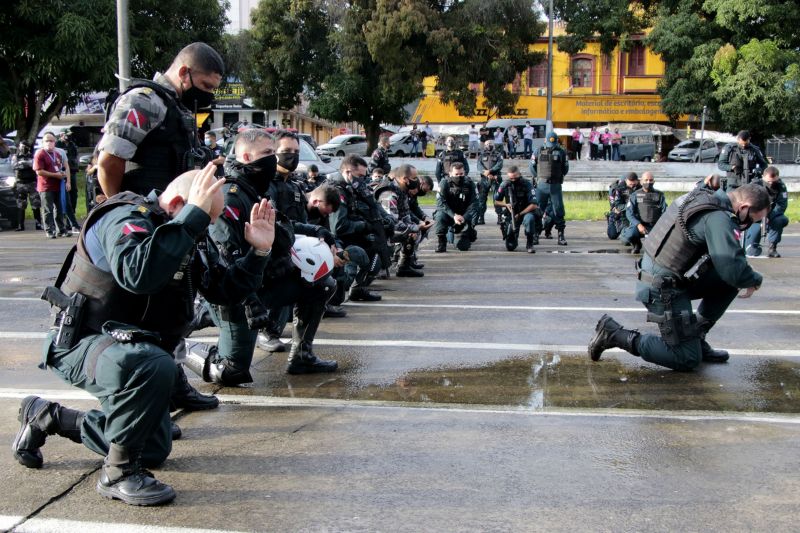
{"x":313,"y":257}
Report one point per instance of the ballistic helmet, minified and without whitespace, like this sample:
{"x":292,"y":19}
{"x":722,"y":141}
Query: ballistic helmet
{"x":312,"y":257}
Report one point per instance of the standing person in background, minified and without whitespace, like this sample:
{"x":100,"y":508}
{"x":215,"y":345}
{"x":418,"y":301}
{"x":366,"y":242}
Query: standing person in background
{"x":550,"y":164}
{"x":594,"y":144}
{"x":49,"y":166}
{"x":67,"y":144}
{"x":499,"y":139}
{"x":605,"y":141}
{"x":616,"y":141}
{"x":428,"y":138}
{"x":414,"y":141}
{"x":217,"y":152}
{"x":25,"y":185}
{"x":527,"y":140}
{"x":513,"y":138}
{"x":577,"y":142}
{"x":474,"y":146}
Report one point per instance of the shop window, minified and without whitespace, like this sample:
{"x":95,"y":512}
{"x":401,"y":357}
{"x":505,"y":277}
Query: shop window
{"x":636,"y":60}
{"x":537,"y":76}
{"x":582,"y":70}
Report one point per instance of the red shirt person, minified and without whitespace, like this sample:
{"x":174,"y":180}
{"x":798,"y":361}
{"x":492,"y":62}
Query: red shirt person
{"x":48,"y":164}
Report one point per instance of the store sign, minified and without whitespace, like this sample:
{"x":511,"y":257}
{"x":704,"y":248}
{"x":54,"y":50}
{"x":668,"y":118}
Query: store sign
{"x":231,"y":96}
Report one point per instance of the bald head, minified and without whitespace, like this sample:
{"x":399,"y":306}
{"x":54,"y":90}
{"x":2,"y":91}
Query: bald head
{"x":177,"y":194}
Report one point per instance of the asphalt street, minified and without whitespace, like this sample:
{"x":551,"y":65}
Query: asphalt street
{"x":464,"y":402}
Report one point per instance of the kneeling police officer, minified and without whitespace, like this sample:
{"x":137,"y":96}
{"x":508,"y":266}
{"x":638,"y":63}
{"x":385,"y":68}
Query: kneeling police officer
{"x":645,"y":207}
{"x":516,"y":196}
{"x":128,"y":292}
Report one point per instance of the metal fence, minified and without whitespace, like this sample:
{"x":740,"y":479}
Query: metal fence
{"x":783,"y":149}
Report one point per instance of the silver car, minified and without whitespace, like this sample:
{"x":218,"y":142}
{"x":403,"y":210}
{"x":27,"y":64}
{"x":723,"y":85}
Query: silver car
{"x":342,"y":145}
{"x":687,"y":151}
{"x":400,"y":144}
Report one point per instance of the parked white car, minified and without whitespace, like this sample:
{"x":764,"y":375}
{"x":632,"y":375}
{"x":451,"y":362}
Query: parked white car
{"x":342,"y":145}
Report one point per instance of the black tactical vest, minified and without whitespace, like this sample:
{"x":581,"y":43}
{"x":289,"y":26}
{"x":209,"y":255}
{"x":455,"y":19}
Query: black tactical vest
{"x":166,"y":152}
{"x":458,"y":195}
{"x":549,"y":165}
{"x":25,"y":174}
{"x":289,"y":199}
{"x":518,"y":195}
{"x":649,"y":204}
{"x":671,"y":243}
{"x":448,"y":158}
{"x":167,"y":312}
{"x":489,"y":159}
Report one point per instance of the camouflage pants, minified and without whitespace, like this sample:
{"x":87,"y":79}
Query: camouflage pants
{"x":25,"y":191}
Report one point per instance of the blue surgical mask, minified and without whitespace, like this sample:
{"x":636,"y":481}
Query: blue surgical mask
{"x":207,"y":142}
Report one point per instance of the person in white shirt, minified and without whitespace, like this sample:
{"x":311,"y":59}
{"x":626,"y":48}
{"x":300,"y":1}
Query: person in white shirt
{"x":474,"y":141}
{"x":527,"y":139}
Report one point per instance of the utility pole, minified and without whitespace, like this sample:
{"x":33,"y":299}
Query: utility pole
{"x":549,"y":116}
{"x":699,"y":156}
{"x":123,"y":45}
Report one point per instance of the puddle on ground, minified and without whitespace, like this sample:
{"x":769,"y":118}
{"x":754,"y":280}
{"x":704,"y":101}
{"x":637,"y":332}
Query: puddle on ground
{"x":553,"y":381}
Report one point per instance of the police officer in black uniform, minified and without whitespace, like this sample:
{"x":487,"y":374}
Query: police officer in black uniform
{"x":775,"y":220}
{"x":25,"y":185}
{"x":450,"y":155}
{"x":150,"y":133}
{"x":455,"y":209}
{"x":490,"y":165}
{"x":380,"y":157}
{"x":287,"y":197}
{"x":618,"y":195}
{"x":645,"y":207}
{"x":249,"y":179}
{"x":151,"y":137}
{"x":693,"y":253}
{"x":128,"y":291}
{"x":394,"y":196}
{"x":742,"y":160}
{"x":362,"y":222}
{"x":550,"y":164}
{"x":516,"y":198}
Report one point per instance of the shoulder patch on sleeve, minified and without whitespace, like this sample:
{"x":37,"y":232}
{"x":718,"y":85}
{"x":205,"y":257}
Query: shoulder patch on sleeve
{"x":231,"y":213}
{"x":234,"y":188}
{"x":142,"y":209}
{"x":130,"y":227}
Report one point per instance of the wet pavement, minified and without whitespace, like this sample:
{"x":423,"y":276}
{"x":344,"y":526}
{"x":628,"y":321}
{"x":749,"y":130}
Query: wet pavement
{"x":464,"y":401}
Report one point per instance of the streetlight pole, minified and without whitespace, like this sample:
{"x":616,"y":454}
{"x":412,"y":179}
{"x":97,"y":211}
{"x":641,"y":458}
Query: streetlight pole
{"x":123,"y":45}
{"x":699,"y":155}
{"x":549,"y":116}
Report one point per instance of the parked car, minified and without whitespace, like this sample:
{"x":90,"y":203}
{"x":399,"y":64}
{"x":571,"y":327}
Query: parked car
{"x":400,"y":145}
{"x":688,"y":151}
{"x":637,"y":145}
{"x":8,"y":204}
{"x":342,"y":145}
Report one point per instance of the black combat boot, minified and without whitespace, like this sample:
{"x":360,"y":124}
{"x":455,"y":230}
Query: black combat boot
{"x":404,"y":268}
{"x":186,"y":397}
{"x":561,"y":240}
{"x":408,"y":272}
{"x":20,"y":221}
{"x":709,"y":354}
{"x":123,"y":478}
{"x":361,"y":294}
{"x":203,"y":359}
{"x":37,"y":217}
{"x":441,"y":246}
{"x":201,"y":319}
{"x":636,"y":248}
{"x":270,"y":342}
{"x":529,"y":245}
{"x":548,"y":228}
{"x":304,"y":327}
{"x":610,"y":334}
{"x":334,"y":311}
{"x":38,"y":419}
{"x":773,"y":250}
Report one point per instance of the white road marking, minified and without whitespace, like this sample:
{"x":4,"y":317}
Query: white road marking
{"x":506,"y":347}
{"x":592,"y":309}
{"x":278,"y":401}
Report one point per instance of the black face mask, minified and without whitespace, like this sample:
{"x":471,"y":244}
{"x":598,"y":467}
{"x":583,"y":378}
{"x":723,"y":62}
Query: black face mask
{"x":260,"y":172}
{"x":744,"y":222}
{"x":646,"y":186}
{"x":412,"y":185}
{"x":457,"y":179}
{"x":194,"y":98}
{"x":289,"y":161}
{"x":421,"y":193}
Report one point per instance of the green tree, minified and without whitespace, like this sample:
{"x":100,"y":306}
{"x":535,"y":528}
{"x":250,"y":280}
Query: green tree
{"x":289,"y":52}
{"x":53,"y":51}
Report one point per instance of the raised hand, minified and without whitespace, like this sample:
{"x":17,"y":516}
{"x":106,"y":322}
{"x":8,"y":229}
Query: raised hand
{"x":260,"y":231}
{"x":204,"y":187}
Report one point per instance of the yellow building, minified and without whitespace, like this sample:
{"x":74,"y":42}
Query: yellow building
{"x":588,"y":88}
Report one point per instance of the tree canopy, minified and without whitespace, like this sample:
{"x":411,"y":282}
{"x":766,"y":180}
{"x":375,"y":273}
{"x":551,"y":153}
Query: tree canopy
{"x":739,"y":58}
{"x":52,"y":52}
{"x":364,"y":60}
